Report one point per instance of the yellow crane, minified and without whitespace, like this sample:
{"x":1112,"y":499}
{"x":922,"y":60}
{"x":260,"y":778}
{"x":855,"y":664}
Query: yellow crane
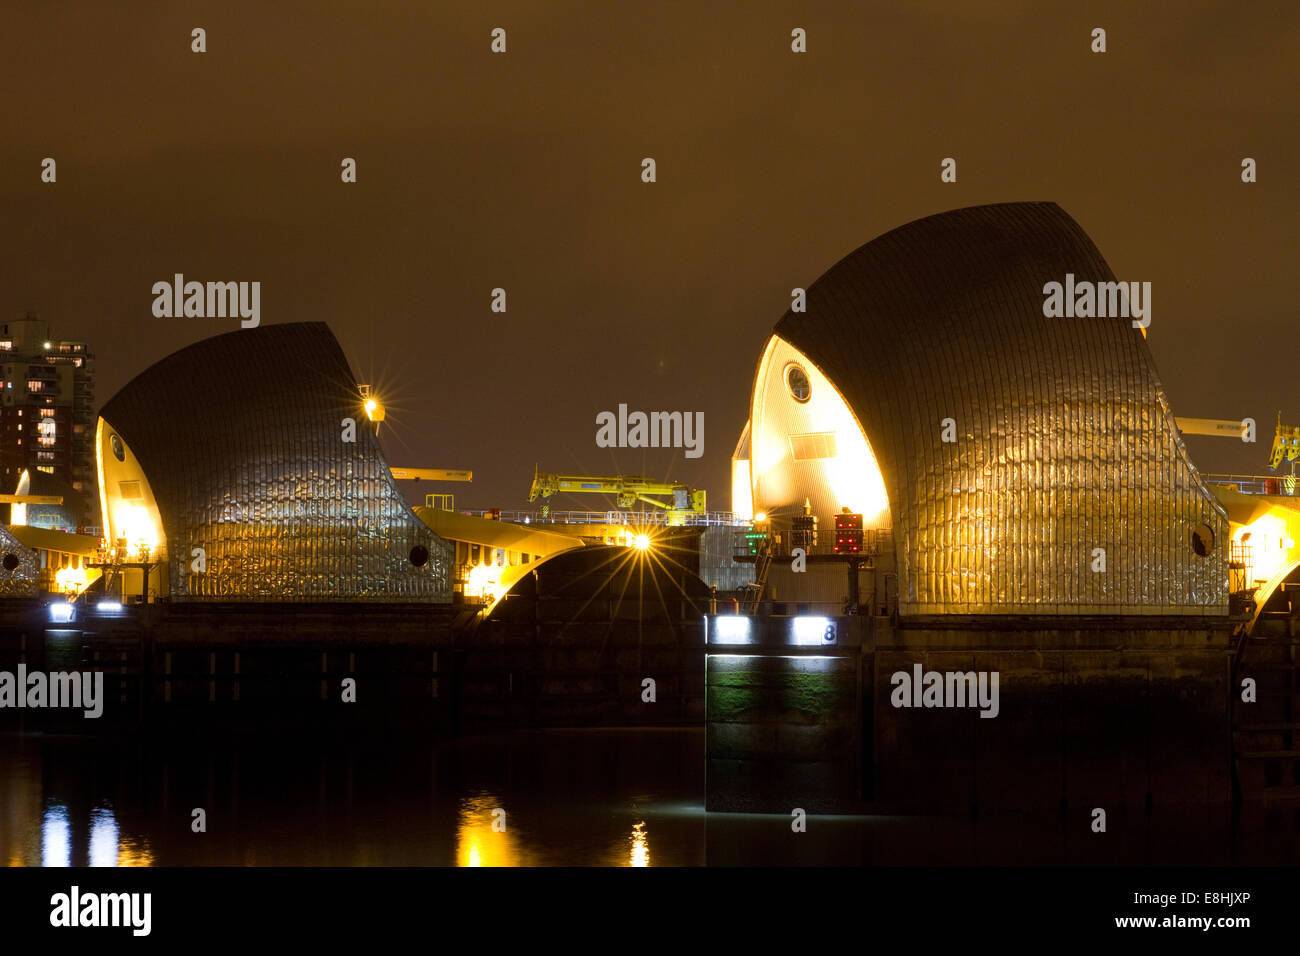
{"x":441,"y":502}
{"x":626,"y":489}
{"x":431,"y":474}
{"x":1211,"y":426}
{"x":1286,"y":445}
{"x":1286,"y":438}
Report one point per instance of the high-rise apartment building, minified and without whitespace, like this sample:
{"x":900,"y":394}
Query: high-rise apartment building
{"x":47,"y":406}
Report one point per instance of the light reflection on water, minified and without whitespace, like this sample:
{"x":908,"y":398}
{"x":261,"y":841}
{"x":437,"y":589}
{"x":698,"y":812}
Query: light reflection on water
{"x":104,"y":844}
{"x":640,"y":846}
{"x":483,"y":834}
{"x":103,"y":837}
{"x":56,"y":837}
{"x":484,"y":838}
{"x":567,"y":798}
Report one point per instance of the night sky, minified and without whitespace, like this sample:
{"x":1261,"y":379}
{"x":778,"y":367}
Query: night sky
{"x":522,"y":171}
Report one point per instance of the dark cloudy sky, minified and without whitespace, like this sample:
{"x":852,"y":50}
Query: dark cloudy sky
{"x":523,"y":171}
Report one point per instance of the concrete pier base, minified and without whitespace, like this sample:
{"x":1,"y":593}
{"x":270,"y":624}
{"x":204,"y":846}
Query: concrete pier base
{"x":1117,"y":714}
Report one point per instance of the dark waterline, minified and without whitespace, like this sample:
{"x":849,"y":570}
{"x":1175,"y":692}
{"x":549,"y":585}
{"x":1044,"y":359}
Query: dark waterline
{"x":598,"y":797}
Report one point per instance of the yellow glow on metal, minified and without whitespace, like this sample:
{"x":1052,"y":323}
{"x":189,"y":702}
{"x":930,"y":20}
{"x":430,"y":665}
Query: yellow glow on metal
{"x":742,"y":489}
{"x":131,"y":519}
{"x":850,"y":476}
{"x":485,"y":581}
{"x":18,"y":513}
{"x":70,"y":580}
{"x":99,"y":473}
{"x":1271,"y":539}
{"x":132,"y":523}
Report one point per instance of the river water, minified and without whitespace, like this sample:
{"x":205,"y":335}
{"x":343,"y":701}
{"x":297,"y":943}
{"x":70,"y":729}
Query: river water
{"x":547,"y":798}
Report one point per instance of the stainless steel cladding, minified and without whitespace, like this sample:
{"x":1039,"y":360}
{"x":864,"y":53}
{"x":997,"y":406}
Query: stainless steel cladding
{"x":19,"y":567}
{"x":241,"y":437}
{"x":1066,"y":450}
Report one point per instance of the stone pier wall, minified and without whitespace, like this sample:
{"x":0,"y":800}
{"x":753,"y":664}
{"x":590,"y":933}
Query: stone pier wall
{"x":1105,"y":717}
{"x":1121,"y":715}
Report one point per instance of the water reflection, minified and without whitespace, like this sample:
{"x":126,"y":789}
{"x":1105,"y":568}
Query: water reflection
{"x":579,"y":798}
{"x":133,"y":853}
{"x":105,"y":845}
{"x":640,"y":846}
{"x":103,"y":837}
{"x":56,"y":837}
{"x":483,"y":835}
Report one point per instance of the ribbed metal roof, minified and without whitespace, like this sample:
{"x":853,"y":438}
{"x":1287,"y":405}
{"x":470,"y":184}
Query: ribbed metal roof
{"x":241,"y":439}
{"x":1066,"y":442}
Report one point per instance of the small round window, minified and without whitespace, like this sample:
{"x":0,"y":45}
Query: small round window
{"x":119,"y":452}
{"x":796,"y":380}
{"x":1203,"y":540}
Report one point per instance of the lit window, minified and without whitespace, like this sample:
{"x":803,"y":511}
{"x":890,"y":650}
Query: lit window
{"x":814,"y":445}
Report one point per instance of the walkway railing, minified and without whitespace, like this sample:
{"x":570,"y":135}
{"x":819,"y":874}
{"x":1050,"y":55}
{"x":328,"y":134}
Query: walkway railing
{"x":631,"y":518}
{"x":1258,"y":484}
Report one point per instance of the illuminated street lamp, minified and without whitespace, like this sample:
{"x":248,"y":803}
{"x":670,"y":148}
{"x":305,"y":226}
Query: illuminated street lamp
{"x":374,"y":409}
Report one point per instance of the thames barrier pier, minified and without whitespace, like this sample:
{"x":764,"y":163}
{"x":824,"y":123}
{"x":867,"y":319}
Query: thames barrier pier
{"x":969,"y":564}
{"x":945,"y":481}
